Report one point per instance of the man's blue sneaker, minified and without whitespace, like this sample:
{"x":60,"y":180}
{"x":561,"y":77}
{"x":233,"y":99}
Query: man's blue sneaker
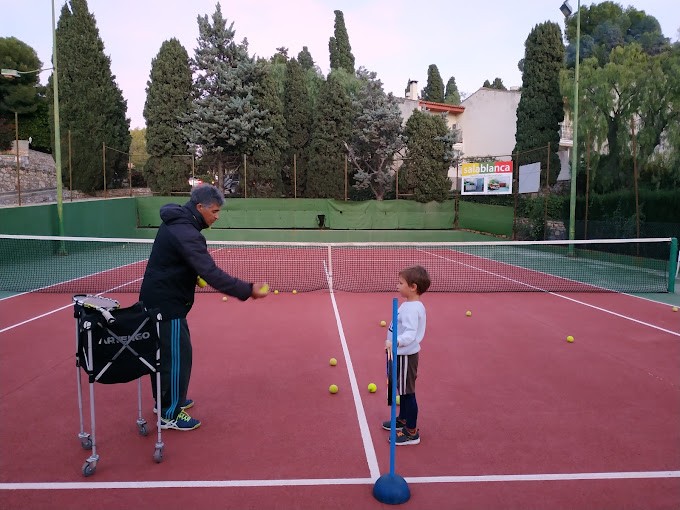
{"x":188,"y":403}
{"x":182,"y":422}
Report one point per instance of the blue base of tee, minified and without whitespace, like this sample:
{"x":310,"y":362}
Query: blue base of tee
{"x":391,"y":489}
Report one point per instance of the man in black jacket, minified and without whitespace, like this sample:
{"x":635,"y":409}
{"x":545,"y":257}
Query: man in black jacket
{"x":178,"y":257}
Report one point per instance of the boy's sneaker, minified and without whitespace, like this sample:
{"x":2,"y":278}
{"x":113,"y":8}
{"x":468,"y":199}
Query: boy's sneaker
{"x":188,"y":403}
{"x":399,"y":424}
{"x":406,"y":436}
{"x":182,"y":422}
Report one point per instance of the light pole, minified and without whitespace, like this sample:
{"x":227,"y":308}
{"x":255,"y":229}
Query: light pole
{"x":566,"y":10}
{"x":57,"y":132}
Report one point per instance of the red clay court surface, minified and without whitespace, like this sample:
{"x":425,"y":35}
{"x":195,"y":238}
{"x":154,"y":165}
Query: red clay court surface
{"x":511,"y":415}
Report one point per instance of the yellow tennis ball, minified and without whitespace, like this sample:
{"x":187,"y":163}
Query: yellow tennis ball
{"x":333,"y":362}
{"x":372,"y":388}
{"x":224,"y":298}
{"x":264,"y":289}
{"x":201,"y":282}
{"x":294,"y":291}
{"x":570,"y":339}
{"x":276,"y":292}
{"x":333,"y":388}
{"x":675,"y":308}
{"x":468,"y":313}
{"x":383,"y":323}
{"x":398,"y":400}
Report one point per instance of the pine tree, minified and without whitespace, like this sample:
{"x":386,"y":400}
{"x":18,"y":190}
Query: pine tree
{"x":340,"y":50}
{"x":332,"y":129}
{"x":264,"y":169}
{"x":498,"y":84}
{"x":20,"y":95}
{"x":305,"y":59}
{"x":91,"y":104}
{"x":541,"y":107}
{"x":377,"y":136}
{"x":298,"y":117}
{"x":452,"y":95}
{"x":428,"y":157}
{"x":434,"y":90}
{"x":168,"y":99}
{"x":224,"y":121}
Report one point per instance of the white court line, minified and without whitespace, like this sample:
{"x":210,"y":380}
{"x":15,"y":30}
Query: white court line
{"x":293,"y":482}
{"x":611,"y":312}
{"x":61,"y":308}
{"x":369,"y":449}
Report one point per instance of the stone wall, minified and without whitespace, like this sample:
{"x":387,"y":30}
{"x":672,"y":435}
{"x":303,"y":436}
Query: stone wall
{"x":36,"y":172}
{"x":37,"y":181}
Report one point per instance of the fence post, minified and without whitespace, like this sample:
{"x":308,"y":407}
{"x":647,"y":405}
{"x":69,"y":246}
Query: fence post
{"x":130,"y":172}
{"x":515,"y":173}
{"x":295,"y":175}
{"x":104,"y":165}
{"x":16,"y":149}
{"x":585,"y":222}
{"x":635,"y":179}
{"x":70,"y":170}
{"x":245,"y":177}
{"x":545,"y":198}
{"x":345,"y":177}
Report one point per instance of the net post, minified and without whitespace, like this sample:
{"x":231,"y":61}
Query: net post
{"x":391,"y":488}
{"x":673,"y":264}
{"x":330,"y":263}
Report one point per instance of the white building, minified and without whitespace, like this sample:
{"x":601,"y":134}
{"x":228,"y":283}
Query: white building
{"x":487,"y":120}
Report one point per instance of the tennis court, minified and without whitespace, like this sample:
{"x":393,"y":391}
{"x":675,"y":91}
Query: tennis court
{"x":511,"y":415}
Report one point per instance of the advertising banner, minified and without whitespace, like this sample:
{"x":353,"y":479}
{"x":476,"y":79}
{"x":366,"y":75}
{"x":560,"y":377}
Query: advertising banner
{"x":487,"y":178}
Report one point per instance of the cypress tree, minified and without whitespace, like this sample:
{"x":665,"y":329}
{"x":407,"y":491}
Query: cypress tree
{"x":224,"y":120}
{"x":305,"y":59}
{"x":168,"y":99}
{"x":429,"y":146}
{"x":340,"y":50}
{"x":264,"y":173}
{"x":452,"y":95}
{"x":434,"y":90}
{"x":541,"y":107}
{"x":298,"y":118}
{"x":91,"y":103}
{"x":332,"y":129}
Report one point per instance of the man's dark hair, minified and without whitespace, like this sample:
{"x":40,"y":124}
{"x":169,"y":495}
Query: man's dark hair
{"x":417,"y":275}
{"x":206,"y":195}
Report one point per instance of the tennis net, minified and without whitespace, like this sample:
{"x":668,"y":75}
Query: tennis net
{"x":96,"y":265}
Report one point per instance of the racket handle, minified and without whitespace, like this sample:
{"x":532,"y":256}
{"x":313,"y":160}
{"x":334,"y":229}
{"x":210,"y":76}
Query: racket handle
{"x":109,"y":318}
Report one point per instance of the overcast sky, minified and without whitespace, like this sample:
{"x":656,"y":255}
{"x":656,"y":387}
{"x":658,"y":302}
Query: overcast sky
{"x":470,"y":40}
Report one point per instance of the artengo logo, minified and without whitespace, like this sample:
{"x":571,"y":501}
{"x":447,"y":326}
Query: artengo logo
{"x":125,"y":339}
{"x":487,"y":167}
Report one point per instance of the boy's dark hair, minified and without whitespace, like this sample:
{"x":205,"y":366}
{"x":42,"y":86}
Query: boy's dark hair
{"x":417,"y":275}
{"x":206,"y":195}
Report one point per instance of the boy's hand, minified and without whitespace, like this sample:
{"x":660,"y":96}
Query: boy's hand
{"x":388,"y":345}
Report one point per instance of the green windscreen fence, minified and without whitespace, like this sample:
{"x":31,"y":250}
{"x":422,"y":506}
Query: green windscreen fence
{"x":305,"y":213}
{"x":96,"y":265}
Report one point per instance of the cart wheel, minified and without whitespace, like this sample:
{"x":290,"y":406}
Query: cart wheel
{"x":143,"y":430}
{"x":89,"y":468}
{"x":86,"y":443}
{"x":158,"y":455}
